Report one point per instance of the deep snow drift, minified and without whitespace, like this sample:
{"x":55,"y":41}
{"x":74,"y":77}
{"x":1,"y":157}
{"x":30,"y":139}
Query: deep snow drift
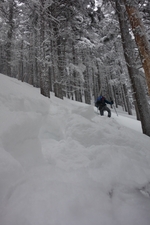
{"x":63,"y":164}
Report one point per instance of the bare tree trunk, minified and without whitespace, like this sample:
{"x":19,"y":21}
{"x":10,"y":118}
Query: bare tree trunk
{"x":55,"y":68}
{"x":9,"y":36}
{"x":124,"y":105}
{"x":76,"y":82}
{"x":20,"y":75}
{"x":138,"y":89}
{"x":127,"y":100}
{"x":1,"y":58}
{"x":87,"y":95}
{"x":35,"y":63}
{"x":35,"y":44}
{"x":61,"y":60}
{"x":87,"y":88}
{"x":96,"y":81}
{"x":140,"y":37}
{"x":44,"y":76}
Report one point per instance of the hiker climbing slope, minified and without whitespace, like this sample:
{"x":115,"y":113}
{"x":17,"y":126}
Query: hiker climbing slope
{"x":101,"y":105}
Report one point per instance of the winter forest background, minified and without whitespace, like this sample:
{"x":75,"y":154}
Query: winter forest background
{"x":79,"y":49}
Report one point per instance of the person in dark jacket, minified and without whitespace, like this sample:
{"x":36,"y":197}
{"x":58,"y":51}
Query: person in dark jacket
{"x":101,"y":105}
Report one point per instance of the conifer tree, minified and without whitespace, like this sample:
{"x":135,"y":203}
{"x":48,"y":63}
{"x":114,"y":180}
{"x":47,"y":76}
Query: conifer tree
{"x":140,"y":36}
{"x":138,"y":89}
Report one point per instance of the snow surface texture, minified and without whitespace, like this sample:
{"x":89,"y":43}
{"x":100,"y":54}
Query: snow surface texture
{"x":61,"y":163}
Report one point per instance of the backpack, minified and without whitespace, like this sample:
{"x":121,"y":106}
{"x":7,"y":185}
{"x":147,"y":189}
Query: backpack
{"x":100,"y":101}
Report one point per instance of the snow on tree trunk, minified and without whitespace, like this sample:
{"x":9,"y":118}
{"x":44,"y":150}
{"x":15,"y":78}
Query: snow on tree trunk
{"x":9,"y":36}
{"x":86,"y":73}
{"x":96,"y":81}
{"x":76,"y":75}
{"x":21,"y":62}
{"x":35,"y":44}
{"x":127,"y":100}
{"x":44,"y":77}
{"x":140,"y":37}
{"x":138,"y":89}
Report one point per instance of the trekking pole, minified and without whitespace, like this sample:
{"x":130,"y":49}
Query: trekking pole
{"x":114,"y":106}
{"x":115,"y":110}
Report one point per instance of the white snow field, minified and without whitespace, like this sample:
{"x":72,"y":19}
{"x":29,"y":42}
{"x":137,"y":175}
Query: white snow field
{"x":61,"y":163}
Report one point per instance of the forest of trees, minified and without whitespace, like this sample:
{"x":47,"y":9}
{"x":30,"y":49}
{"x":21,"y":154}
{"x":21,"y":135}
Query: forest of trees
{"x":80,"y":49}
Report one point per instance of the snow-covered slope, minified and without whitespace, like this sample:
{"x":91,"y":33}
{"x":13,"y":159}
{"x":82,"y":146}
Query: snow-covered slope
{"x":63,"y":164}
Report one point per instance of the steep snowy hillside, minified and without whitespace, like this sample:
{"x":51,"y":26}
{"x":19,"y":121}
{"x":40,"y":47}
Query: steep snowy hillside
{"x":61,"y":163}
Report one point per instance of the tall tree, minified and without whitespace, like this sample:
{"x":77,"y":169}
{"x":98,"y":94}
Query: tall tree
{"x":7,"y":9}
{"x":140,"y":36}
{"x":138,"y":89}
